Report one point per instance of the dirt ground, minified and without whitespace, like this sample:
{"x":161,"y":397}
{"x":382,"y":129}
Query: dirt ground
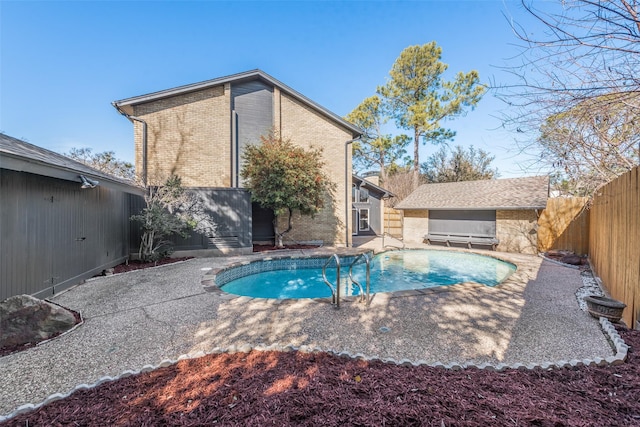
{"x":293,"y":388}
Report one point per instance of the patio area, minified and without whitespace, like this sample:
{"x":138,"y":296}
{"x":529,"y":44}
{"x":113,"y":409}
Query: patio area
{"x":143,"y":317}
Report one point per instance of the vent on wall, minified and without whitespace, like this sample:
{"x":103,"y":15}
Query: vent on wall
{"x":224,"y":242}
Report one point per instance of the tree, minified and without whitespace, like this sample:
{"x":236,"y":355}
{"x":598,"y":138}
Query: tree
{"x":401,"y":183}
{"x":584,"y":62}
{"x":285,"y":178}
{"x":469,"y":165}
{"x":376,"y":149}
{"x":419,"y":98}
{"x":592,"y":143}
{"x":104,"y":162}
{"x":169,"y":209}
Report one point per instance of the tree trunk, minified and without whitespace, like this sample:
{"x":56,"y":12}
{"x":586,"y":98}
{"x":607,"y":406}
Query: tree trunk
{"x":280,"y":235}
{"x":383,"y":169}
{"x":416,"y":159}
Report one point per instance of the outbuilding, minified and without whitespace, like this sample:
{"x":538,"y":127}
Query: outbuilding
{"x":501,"y":214}
{"x":60,"y":220}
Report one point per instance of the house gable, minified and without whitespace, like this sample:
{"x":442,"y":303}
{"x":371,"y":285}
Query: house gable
{"x":200,"y":132}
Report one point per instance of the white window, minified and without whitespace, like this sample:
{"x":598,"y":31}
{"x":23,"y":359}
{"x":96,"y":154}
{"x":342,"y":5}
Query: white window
{"x":364,"y":219}
{"x":364,"y":195}
{"x":354,"y":193}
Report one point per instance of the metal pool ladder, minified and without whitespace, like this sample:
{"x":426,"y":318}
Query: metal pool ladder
{"x":364,"y":296}
{"x":335,"y":291}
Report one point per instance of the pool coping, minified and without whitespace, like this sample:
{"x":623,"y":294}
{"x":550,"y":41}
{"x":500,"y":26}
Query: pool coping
{"x":209,"y":280}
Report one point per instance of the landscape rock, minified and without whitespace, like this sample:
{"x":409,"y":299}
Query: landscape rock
{"x":25,"y":319}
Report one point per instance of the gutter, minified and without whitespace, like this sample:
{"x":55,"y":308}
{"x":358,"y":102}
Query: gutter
{"x":144,"y":140}
{"x":347,"y":189}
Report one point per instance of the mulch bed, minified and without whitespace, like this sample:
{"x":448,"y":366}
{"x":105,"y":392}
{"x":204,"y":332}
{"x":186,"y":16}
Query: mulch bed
{"x":138,"y":265}
{"x":264,"y":248}
{"x":287,"y":389}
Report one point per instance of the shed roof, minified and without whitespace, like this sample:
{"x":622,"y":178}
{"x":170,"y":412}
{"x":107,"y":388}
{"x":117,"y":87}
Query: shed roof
{"x":124,"y":105}
{"x":21,"y":156}
{"x":495,"y":194}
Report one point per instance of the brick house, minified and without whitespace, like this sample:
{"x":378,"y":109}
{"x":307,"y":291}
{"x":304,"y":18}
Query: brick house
{"x":480,"y":213}
{"x":199,"y":132}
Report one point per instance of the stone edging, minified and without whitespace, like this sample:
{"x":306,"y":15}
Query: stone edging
{"x":554,"y":261}
{"x":621,"y":351}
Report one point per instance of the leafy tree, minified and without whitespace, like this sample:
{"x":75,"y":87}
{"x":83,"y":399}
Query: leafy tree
{"x":591,"y":144}
{"x":285,"y":178}
{"x":169,"y":209}
{"x":376,"y":149}
{"x":105,"y":162}
{"x":419,"y":98}
{"x":469,"y":165}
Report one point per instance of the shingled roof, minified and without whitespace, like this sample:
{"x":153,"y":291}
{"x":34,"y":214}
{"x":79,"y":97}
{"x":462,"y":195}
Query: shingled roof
{"x":21,"y":156}
{"x":495,"y":194}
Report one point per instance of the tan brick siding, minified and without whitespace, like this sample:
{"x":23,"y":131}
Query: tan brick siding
{"x":416,"y":225}
{"x":308,"y":128}
{"x":517,"y":231}
{"x":188,"y":135}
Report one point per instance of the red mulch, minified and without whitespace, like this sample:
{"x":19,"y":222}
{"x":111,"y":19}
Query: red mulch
{"x":138,"y":265}
{"x":292,"y":389}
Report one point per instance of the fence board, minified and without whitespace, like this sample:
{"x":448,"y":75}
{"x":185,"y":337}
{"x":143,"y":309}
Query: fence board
{"x":564,"y":224}
{"x":393,"y":222}
{"x":613,"y":240}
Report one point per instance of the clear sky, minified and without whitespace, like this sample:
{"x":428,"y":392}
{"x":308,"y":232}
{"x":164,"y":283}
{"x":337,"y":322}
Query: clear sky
{"x":62,"y":63}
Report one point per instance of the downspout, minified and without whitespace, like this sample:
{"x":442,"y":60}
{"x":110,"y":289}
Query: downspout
{"x":144,"y":141}
{"x":347,"y":188}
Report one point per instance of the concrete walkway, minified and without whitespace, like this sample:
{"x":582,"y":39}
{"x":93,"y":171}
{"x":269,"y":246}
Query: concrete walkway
{"x":143,"y":317}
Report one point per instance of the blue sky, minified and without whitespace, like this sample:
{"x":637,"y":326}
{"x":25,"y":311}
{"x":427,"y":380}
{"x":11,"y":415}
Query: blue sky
{"x":62,"y":63}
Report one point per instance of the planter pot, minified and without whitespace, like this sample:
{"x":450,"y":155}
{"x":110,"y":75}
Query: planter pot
{"x":605,"y":307}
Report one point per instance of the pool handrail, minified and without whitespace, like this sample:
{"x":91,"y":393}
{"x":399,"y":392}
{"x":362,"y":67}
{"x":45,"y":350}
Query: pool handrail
{"x":335,"y":292}
{"x":364,"y":296}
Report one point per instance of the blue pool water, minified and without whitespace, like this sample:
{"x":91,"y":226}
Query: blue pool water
{"x":390,"y":271}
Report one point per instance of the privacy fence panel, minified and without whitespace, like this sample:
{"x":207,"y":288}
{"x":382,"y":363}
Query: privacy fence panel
{"x":55,"y":234}
{"x":564,"y":225}
{"x":230,"y":209}
{"x":392,"y":222}
{"x":614,"y":240}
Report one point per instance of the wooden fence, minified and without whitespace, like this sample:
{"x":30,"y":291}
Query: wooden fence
{"x":614,"y":241}
{"x":393,"y":222}
{"x":564,"y":224}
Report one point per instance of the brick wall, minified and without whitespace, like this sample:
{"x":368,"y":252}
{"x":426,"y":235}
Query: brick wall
{"x":308,"y":128}
{"x":188,"y":135}
{"x":415,"y":226}
{"x":517,"y":231}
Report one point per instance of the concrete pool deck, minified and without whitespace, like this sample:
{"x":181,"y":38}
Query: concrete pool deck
{"x":143,"y":317}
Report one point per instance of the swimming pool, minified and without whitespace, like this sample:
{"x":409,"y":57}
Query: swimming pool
{"x":390,"y":271}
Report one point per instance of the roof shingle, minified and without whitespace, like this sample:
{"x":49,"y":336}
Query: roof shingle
{"x":30,"y":153}
{"x":498,"y":194}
